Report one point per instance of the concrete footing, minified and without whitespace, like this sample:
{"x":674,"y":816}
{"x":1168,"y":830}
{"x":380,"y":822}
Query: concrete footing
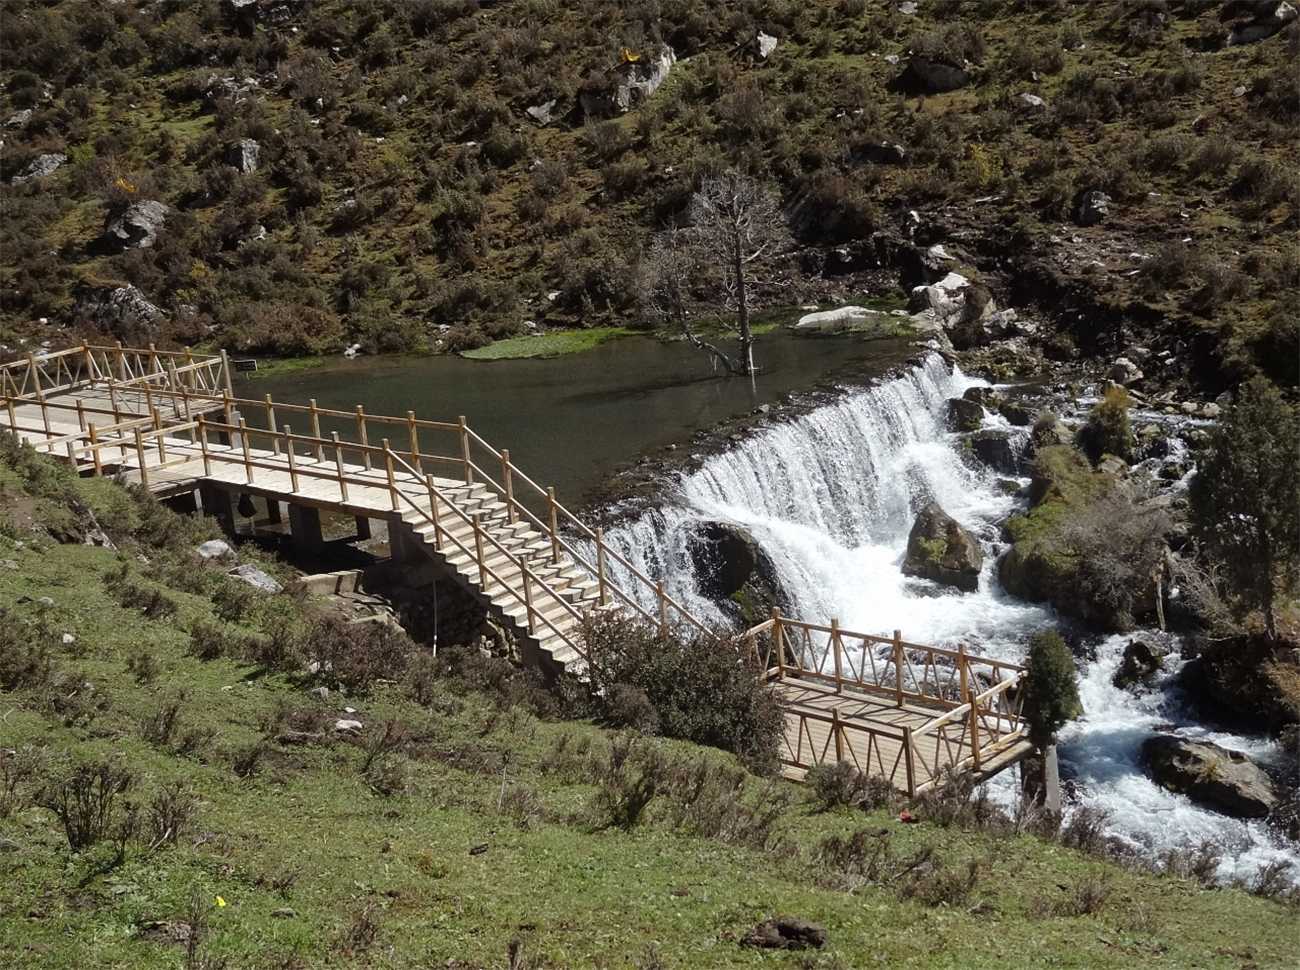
{"x":304,"y":526}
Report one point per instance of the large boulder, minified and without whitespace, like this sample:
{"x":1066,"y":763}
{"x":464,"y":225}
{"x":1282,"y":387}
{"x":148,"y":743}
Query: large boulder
{"x":733,"y":568}
{"x":927,"y":75}
{"x":1210,"y":775}
{"x":40,"y":167}
{"x":1254,"y":20}
{"x":136,"y":226}
{"x":243,"y":155}
{"x":637,"y":76}
{"x":939,"y":549}
{"x":121,"y":310}
{"x":1142,"y":660}
{"x":848,"y":319}
{"x":964,"y":415}
{"x":1091,"y":207}
{"x":996,"y":449}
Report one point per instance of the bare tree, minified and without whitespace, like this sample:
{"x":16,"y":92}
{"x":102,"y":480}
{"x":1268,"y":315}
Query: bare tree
{"x":735,"y":222}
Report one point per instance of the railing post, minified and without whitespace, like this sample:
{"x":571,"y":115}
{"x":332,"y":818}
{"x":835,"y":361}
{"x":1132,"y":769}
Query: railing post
{"x":121,"y":362}
{"x":778,"y":642}
{"x":553,"y":522}
{"x":94,"y":448}
{"x":911,"y":768}
{"x":315,"y":429}
{"x":413,"y":433}
{"x":528,"y":595}
{"x":976,"y":756}
{"x":139,"y":453}
{"x":392,"y":478}
{"x":663,"y":607}
{"x":174,"y":385}
{"x":203,"y":446}
{"x":244,"y":447}
{"x":600,"y":566}
{"x":838,"y":730}
{"x":13,"y":416}
{"x":228,"y":409}
{"x":338,"y":466}
{"x":508,"y":486}
{"x":225,"y":373}
{"x":270,"y":425}
{"x":836,"y":646}
{"x":293,"y":463}
{"x":478,"y":552}
{"x":81,"y":415}
{"x":898,"y":667}
{"x":433,"y":512}
{"x":363,"y":436}
{"x":963,"y":669}
{"x":464,"y":451}
{"x":157,"y":427}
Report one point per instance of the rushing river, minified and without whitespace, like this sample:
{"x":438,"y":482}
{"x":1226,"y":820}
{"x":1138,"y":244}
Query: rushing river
{"x":830,"y":497}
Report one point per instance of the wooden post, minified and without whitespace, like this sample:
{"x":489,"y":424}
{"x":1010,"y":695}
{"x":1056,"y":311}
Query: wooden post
{"x":81,"y":415}
{"x":293,"y":466}
{"x":338,"y":466}
{"x":413,"y":432}
{"x":835,"y":645}
{"x":464,"y":451}
{"x":434,"y":512}
{"x":392,"y":478}
{"x":600,"y":565}
{"x":203,"y":446}
{"x":94,"y":448}
{"x":907,"y":754}
{"x":40,"y":392}
{"x":838,"y":731}
{"x":963,"y":669}
{"x":478,"y":552}
{"x":778,"y":643}
{"x":72,"y":455}
{"x":148,"y":398}
{"x":225,"y":370}
{"x":898,"y":668}
{"x":139,"y":452}
{"x":528,"y":596}
{"x":13,"y":417}
{"x":243,"y":444}
{"x":174,"y":384}
{"x":270,"y":425}
{"x":157,"y":427}
{"x":363,"y":436}
{"x":508,"y":486}
{"x":315,"y":430}
{"x":663,"y":607}
{"x":553,"y":517}
{"x":121,"y":362}
{"x":976,"y":756}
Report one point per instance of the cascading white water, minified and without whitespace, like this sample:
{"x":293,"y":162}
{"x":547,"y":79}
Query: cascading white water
{"x":830,"y":497}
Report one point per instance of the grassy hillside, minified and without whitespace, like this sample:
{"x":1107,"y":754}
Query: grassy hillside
{"x":465,"y":815}
{"x":403,"y":188}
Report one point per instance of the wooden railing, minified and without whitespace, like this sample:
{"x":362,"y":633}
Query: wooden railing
{"x":34,"y":377}
{"x":969,"y":726}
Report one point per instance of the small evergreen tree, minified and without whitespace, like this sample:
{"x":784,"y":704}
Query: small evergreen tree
{"x":1246,"y":498}
{"x":1107,"y":431}
{"x":1051,"y":687}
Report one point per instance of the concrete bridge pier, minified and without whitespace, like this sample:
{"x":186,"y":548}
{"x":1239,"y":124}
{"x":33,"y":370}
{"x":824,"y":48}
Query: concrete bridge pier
{"x":304,"y":526}
{"x":218,"y":503}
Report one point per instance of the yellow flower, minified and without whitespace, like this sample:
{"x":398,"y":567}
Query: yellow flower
{"x":220,"y":901}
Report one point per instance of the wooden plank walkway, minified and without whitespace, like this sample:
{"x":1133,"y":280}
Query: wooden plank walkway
{"x":905,"y":712}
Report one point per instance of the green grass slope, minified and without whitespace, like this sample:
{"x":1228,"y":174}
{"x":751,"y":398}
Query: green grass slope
{"x":466,"y":815}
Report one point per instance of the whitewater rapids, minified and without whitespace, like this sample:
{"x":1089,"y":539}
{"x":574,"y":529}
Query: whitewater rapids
{"x":830,"y":496}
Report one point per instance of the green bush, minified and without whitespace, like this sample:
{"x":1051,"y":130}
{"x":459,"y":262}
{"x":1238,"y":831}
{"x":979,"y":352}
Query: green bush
{"x":1050,"y":686}
{"x":1107,"y":431}
{"x":700,"y":688}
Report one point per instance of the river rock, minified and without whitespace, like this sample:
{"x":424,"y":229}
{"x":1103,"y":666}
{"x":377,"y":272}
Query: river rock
{"x":40,"y":167}
{"x":939,"y":549}
{"x":733,"y":567}
{"x":256,"y":578}
{"x":786,"y":933}
{"x":1140,"y":663}
{"x":964,"y":415}
{"x":1223,"y":780}
{"x":619,"y":90}
{"x":214,"y":549}
{"x":1124,"y":371}
{"x":995,"y":449}
{"x":845,"y":319}
{"x":925,"y":75}
{"x":136,"y":226}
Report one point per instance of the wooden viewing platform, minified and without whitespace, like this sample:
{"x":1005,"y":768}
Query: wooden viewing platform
{"x":170,"y":421}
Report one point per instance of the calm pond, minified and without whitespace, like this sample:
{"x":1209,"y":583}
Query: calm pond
{"x":570,"y":421}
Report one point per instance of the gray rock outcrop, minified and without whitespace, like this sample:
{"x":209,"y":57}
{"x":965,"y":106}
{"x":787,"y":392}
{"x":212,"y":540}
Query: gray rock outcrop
{"x":137,"y":226}
{"x":1256,"y":20}
{"x":1210,"y":775}
{"x":629,"y":84}
{"x":939,"y":549}
{"x":964,"y":415}
{"x":1091,"y":207}
{"x":733,"y":567}
{"x":41,"y":166}
{"x":121,"y":310}
{"x":243,"y":155}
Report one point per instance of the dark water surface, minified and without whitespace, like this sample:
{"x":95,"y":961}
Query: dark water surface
{"x":570,"y":421}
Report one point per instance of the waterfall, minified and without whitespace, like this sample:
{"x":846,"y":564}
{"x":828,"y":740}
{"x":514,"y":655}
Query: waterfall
{"x":830,"y":495}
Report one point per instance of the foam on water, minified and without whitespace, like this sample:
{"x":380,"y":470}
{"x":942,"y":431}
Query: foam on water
{"x":830,"y":497}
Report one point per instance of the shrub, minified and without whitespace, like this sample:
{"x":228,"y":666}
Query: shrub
{"x":25,"y":660}
{"x":159,"y":727}
{"x":701,"y":688}
{"x":86,"y":802}
{"x":248,"y":759}
{"x":630,"y":707}
{"x":355,"y":655}
{"x":522,"y":805}
{"x":1107,"y":430}
{"x":840,"y":784}
{"x":716,"y":801}
{"x":18,"y":769}
{"x":143,"y":667}
{"x":171,"y":812}
{"x":628,"y":779}
{"x":1050,"y":686}
{"x":211,"y":641}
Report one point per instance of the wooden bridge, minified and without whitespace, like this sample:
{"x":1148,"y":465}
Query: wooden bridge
{"x":171,"y":422}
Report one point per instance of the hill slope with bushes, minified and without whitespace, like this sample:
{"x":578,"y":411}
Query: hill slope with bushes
{"x":434,"y":174}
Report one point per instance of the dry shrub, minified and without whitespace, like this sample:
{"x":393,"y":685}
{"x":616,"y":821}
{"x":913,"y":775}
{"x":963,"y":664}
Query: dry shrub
{"x":841,"y":784}
{"x":937,"y":884}
{"x":159,"y":727}
{"x":712,"y":800}
{"x":523,"y":806}
{"x":628,"y":778}
{"x":19,"y":768}
{"x":170,"y":814}
{"x":89,"y":804}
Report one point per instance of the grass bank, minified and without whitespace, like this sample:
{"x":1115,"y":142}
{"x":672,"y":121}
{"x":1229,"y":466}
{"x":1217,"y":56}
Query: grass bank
{"x":556,"y":343}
